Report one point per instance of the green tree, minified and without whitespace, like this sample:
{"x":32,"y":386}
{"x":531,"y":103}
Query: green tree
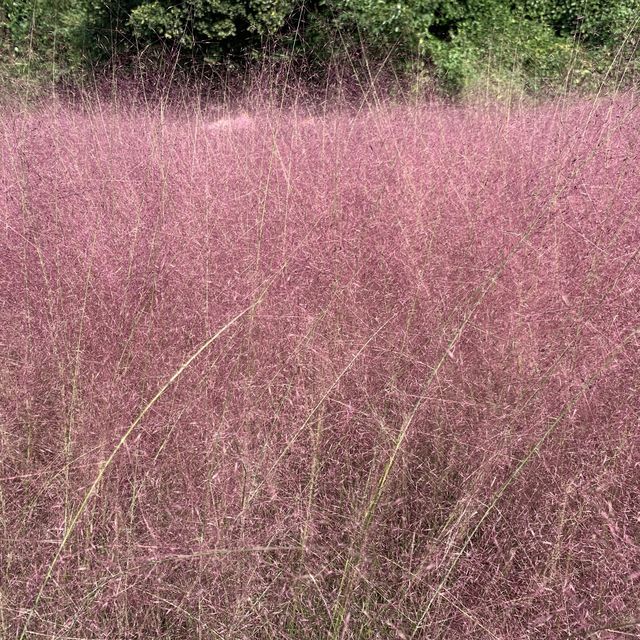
{"x":200,"y":28}
{"x":41,"y":34}
{"x":533,"y":43}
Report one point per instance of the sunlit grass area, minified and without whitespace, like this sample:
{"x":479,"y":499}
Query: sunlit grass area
{"x":332,"y":373}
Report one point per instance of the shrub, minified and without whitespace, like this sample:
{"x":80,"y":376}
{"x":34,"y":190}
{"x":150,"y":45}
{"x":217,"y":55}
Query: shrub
{"x":529,"y":44}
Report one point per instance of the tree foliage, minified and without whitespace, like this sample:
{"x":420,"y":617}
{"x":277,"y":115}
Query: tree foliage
{"x":535,"y":42}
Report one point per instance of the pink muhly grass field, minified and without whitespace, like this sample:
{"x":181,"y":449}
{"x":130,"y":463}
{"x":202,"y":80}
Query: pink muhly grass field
{"x":413,"y":410}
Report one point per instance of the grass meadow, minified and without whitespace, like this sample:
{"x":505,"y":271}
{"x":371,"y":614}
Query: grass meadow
{"x":320,"y":373}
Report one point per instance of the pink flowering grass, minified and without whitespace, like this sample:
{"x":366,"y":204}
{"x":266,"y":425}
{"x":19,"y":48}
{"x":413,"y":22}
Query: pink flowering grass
{"x":353,"y":374}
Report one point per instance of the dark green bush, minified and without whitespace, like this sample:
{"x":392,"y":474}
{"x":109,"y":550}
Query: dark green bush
{"x":527,"y":44}
{"x":37,"y":32}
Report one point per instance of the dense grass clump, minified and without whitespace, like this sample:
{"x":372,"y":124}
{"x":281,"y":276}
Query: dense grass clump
{"x":413,"y":407}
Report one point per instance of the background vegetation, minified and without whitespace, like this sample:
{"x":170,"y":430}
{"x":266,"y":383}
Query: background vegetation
{"x":530,"y":45}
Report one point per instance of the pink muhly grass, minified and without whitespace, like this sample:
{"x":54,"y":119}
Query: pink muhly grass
{"x":363,"y":374}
